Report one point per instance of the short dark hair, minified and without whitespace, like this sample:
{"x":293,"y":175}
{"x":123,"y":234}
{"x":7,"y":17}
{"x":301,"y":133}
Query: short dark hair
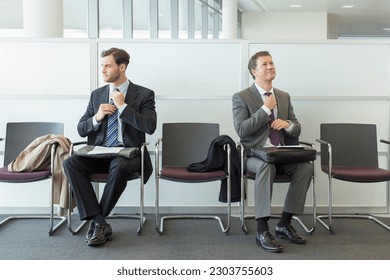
{"x":120,"y":56}
{"x":252,"y":64}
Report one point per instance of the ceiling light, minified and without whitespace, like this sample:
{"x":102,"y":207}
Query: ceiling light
{"x":386,"y":29}
{"x":347,"y":6}
{"x":295,"y":6}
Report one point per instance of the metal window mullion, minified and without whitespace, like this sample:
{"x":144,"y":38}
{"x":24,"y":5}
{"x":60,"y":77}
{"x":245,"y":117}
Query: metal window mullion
{"x":191,"y":19}
{"x":93,"y":19}
{"x":205,"y":26}
{"x":216,"y":17}
{"x":153,"y":19}
{"x":217,"y":10}
{"x":174,"y":19}
{"x":128,"y":26}
{"x":239,"y":20}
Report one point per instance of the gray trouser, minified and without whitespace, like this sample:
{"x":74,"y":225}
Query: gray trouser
{"x":301,"y":176}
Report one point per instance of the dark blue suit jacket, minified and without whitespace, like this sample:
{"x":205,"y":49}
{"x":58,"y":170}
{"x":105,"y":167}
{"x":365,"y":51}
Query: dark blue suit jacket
{"x":139,"y":117}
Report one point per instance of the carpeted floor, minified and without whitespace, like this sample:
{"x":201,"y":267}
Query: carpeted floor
{"x":192,"y":240}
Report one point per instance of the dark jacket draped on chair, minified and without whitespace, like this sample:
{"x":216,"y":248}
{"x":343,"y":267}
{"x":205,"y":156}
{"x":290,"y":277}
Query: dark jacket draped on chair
{"x":217,"y":160}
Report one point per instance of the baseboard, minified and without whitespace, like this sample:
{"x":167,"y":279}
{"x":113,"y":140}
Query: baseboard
{"x":378,"y":210}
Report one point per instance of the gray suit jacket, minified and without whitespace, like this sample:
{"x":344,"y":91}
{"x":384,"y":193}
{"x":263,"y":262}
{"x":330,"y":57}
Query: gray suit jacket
{"x":252,"y":123}
{"x":139,"y":117}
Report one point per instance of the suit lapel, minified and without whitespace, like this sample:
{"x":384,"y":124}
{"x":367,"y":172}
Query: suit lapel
{"x":255,"y":96}
{"x":130,"y":97}
{"x":102,"y":97}
{"x":281,"y":104}
{"x":131,"y":93}
{"x":105,"y":98}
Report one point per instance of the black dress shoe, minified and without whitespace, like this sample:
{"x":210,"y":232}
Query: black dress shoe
{"x":101,"y":234}
{"x":268,"y":243}
{"x":289,"y":233}
{"x":90,"y":231}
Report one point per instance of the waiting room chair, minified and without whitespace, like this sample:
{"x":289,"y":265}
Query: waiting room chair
{"x":183,"y":144}
{"x":280,"y":178}
{"x":349,"y":153}
{"x":18,"y":136}
{"x":97,"y":178}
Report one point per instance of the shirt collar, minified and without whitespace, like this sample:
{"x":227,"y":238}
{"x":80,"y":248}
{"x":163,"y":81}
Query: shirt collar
{"x":122,"y":88}
{"x":262,"y":91}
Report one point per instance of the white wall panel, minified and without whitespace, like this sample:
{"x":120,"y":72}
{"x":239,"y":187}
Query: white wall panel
{"x":284,"y":26}
{"x":330,"y":69}
{"x":51,"y":67}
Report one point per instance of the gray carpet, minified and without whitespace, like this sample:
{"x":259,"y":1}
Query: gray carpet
{"x":192,"y":240}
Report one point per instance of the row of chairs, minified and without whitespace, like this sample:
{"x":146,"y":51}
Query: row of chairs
{"x":183,"y":144}
{"x":348,"y":152}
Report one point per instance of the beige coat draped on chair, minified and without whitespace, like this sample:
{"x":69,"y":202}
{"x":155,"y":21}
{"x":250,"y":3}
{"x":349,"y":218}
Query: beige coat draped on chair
{"x":37,"y":156}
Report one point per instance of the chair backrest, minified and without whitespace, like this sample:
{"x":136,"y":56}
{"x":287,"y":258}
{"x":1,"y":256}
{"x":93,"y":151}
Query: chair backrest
{"x":186,"y":143}
{"x":20,"y":134}
{"x":352,"y":144}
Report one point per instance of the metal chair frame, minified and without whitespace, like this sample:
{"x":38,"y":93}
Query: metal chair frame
{"x":51,"y":215}
{"x":244,"y":183}
{"x":96,"y":179}
{"x":159,"y":221}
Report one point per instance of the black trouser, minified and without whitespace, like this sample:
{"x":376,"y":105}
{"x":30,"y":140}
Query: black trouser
{"x":119,"y":170}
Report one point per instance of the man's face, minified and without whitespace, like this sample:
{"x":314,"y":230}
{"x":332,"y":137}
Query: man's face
{"x":265,"y":70}
{"x":110,"y":70}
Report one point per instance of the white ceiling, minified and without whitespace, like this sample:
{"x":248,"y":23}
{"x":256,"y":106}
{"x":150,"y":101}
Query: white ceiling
{"x":367,"y":18}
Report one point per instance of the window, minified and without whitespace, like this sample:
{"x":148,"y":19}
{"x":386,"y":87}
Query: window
{"x":165,"y":19}
{"x":143,"y":19}
{"x":11,"y":18}
{"x":110,"y":19}
{"x":75,"y":19}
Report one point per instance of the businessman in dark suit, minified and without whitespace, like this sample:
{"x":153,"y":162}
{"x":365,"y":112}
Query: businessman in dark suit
{"x":133,"y":113}
{"x":264,"y":116}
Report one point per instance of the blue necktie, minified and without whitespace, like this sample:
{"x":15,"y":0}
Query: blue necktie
{"x":112,"y":128}
{"x":273,"y":134}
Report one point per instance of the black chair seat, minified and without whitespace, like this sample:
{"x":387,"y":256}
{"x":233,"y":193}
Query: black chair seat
{"x":181,"y":174}
{"x":6,"y":176}
{"x":360,"y":174}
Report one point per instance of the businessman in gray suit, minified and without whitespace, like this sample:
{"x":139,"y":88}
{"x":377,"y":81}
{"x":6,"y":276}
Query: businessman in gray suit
{"x":263,"y":116}
{"x":131,"y":108}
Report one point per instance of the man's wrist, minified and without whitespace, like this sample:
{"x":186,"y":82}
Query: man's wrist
{"x":290,"y":126}
{"x":96,"y":121}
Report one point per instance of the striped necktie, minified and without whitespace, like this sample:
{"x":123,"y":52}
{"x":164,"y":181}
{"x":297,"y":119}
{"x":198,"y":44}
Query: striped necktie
{"x":273,"y":134}
{"x":112,"y":128}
